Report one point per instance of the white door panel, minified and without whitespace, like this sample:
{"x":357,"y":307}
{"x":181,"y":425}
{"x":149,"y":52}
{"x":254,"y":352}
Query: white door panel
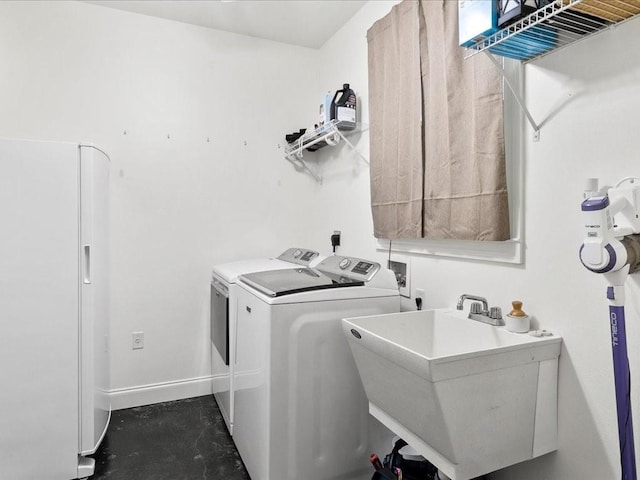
{"x":94,"y":258}
{"x":39,"y":218}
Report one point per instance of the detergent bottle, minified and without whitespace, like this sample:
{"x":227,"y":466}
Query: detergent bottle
{"x":344,"y":109}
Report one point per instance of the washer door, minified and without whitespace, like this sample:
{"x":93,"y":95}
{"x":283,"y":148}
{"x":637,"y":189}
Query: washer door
{"x":285,"y":282}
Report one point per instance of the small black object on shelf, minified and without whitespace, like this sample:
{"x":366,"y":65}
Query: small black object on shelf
{"x":316,"y":146}
{"x":292,"y":137}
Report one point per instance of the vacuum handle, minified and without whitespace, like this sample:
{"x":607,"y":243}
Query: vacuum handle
{"x":622,"y":379}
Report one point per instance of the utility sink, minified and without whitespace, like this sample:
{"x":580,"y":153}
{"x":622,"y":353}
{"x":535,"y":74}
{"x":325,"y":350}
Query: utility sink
{"x":472,"y":398}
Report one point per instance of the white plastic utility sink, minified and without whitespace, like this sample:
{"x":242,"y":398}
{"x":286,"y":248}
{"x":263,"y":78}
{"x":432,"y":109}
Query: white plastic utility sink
{"x":470,"y":397}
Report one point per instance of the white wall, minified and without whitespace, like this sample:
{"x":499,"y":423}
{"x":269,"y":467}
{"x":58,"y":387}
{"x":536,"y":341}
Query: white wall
{"x":345,"y":193}
{"x":587,"y":98}
{"x":77,"y":72}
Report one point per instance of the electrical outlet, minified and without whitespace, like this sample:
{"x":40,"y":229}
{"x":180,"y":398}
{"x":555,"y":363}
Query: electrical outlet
{"x":335,"y":240}
{"x":137,"y":340}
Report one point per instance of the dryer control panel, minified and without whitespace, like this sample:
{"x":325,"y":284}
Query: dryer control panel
{"x":351,"y":267}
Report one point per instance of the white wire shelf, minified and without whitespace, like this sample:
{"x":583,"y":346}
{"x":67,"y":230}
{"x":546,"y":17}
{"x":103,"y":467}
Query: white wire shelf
{"x":328,"y":134}
{"x":554,"y":26}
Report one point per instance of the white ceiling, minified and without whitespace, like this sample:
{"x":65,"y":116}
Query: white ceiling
{"x":308,"y":23}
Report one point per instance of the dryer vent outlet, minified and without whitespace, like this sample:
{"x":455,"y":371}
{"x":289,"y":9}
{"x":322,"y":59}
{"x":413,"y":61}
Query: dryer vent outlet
{"x":400,"y":271}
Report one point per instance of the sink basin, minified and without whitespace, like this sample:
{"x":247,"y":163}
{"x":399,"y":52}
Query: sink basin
{"x":470,"y":397}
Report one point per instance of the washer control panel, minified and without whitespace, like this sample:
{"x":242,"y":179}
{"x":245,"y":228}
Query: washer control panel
{"x":300,"y":256}
{"x":363,"y":268}
{"x":344,"y":263}
{"x":351,"y":267}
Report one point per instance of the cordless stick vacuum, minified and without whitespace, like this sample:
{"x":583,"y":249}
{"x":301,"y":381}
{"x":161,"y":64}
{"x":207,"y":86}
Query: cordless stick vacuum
{"x":612,"y":248}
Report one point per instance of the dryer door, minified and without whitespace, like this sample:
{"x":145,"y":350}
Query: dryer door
{"x":220,"y":319}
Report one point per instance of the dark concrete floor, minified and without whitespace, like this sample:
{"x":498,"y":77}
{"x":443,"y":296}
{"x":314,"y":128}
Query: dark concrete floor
{"x":181,"y":440}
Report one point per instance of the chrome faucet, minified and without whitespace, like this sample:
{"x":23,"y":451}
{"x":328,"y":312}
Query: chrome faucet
{"x":463,"y":297}
{"x":480,"y":310}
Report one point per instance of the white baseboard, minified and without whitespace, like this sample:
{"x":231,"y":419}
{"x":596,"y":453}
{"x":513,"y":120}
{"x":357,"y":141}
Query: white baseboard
{"x":164,"y":392}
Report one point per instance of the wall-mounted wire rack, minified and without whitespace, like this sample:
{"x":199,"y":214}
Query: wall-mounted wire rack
{"x":554,"y":26}
{"x":328,"y":134}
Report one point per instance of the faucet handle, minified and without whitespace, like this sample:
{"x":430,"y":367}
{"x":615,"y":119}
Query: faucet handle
{"x":495,"y":313}
{"x":476,"y":307}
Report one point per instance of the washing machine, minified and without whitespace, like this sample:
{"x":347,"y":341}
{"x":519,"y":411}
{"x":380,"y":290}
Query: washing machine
{"x":223,"y":279}
{"x":300,"y":409}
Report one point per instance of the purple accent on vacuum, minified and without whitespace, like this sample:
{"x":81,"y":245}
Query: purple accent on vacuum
{"x":611,"y":295}
{"x":594,"y":204}
{"x":623,"y":392}
{"x":613,"y":258}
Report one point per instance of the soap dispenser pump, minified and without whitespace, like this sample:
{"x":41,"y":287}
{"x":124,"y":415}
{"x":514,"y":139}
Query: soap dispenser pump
{"x":517,"y":321}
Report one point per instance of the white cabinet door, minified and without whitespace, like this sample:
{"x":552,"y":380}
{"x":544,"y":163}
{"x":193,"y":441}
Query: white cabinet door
{"x":95,"y":380}
{"x":39,"y":218}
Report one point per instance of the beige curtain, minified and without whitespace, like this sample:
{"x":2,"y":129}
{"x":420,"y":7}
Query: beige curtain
{"x":395,"y":116}
{"x":463,"y":177}
{"x":465,"y":188}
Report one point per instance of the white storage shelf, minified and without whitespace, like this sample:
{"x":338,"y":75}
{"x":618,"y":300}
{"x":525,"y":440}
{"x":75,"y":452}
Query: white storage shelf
{"x":554,"y":26}
{"x":329,"y":134}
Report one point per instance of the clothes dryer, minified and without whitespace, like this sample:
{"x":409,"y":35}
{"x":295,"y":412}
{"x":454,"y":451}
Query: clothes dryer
{"x":300,"y":408}
{"x":223,"y":279}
